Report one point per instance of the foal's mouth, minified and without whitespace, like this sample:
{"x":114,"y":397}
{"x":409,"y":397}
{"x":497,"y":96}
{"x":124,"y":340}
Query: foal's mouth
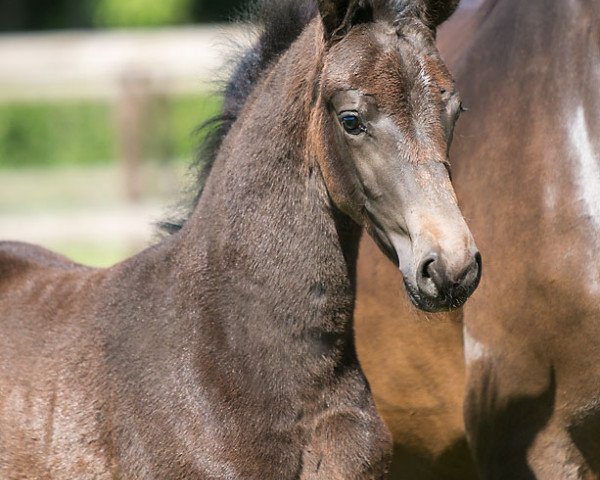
{"x":445,"y":303}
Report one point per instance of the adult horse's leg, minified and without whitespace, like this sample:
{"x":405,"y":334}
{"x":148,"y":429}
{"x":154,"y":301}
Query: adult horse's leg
{"x":515,"y":426}
{"x":554,"y":456}
{"x":414,"y":362}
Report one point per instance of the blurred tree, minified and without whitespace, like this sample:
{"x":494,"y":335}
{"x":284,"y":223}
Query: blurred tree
{"x":18,"y":15}
{"x":141,"y":13}
{"x":44,"y":14}
{"x":217,"y":10}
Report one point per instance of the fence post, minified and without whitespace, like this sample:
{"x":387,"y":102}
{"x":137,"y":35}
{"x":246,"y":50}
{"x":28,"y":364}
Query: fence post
{"x":132,"y":109}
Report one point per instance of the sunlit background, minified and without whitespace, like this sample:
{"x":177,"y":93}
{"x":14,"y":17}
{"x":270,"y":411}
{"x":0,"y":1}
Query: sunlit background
{"x":99,"y":100}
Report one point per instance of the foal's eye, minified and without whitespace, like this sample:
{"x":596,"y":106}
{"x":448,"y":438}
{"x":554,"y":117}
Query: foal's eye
{"x":352,"y":123}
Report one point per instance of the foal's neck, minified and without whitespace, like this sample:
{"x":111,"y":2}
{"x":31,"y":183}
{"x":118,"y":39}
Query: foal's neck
{"x":279,"y":258}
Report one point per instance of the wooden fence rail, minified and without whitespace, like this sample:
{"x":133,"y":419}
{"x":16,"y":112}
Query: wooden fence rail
{"x":133,"y":70}
{"x":76,"y":64}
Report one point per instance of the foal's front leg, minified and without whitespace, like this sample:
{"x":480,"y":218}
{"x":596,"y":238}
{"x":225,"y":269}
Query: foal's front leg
{"x":348,"y":444}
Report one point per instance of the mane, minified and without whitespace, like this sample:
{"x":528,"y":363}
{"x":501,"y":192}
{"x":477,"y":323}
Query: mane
{"x":279,"y":24}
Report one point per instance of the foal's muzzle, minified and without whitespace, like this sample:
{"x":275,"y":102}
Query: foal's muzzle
{"x":441,"y":289}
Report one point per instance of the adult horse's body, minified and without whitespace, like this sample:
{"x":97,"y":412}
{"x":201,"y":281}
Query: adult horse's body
{"x":226,"y":351}
{"x":533,"y":359}
{"x":526,"y":165}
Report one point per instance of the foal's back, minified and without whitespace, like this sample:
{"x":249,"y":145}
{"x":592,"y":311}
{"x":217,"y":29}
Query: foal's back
{"x":48,"y":368}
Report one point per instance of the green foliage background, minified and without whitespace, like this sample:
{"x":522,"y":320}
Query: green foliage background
{"x":83,"y":133}
{"x":53,"y":134}
{"x":141,"y":13}
{"x":19,"y":15}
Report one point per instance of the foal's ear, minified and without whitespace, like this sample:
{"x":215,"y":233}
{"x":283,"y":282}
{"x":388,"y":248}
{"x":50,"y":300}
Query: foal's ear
{"x":436,"y":12}
{"x":339,"y":15}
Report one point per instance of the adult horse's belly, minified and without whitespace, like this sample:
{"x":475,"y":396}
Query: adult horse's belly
{"x":414,"y":363}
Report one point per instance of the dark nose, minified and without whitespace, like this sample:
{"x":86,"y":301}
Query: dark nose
{"x":443,"y":289}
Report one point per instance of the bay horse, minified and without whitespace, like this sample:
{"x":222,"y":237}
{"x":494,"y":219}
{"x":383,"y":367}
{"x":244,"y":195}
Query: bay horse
{"x":526,"y":168}
{"x":226,"y":350}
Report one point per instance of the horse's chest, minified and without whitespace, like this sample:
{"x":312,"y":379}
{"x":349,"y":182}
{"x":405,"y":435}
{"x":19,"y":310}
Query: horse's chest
{"x":344,"y":445}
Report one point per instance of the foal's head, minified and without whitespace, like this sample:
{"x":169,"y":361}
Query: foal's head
{"x":387,"y":106}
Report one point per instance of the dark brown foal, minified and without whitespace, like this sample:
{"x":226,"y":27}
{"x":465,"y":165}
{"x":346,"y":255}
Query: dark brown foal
{"x":226,"y":351}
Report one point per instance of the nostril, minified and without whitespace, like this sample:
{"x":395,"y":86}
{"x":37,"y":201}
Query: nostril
{"x":426,"y":265}
{"x":478,"y":260}
{"x":479,"y":268}
{"x":428,"y":277}
{"x":474,"y":270}
{"x":443,"y":285}
{"x":469,"y":279}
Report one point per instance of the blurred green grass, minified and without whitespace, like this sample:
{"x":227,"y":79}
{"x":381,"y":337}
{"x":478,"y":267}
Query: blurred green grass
{"x":55,"y":133}
{"x":83,"y":132}
{"x":60,"y":158}
{"x":93,"y":254}
{"x":68,"y":187}
{"x":47,"y":205}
